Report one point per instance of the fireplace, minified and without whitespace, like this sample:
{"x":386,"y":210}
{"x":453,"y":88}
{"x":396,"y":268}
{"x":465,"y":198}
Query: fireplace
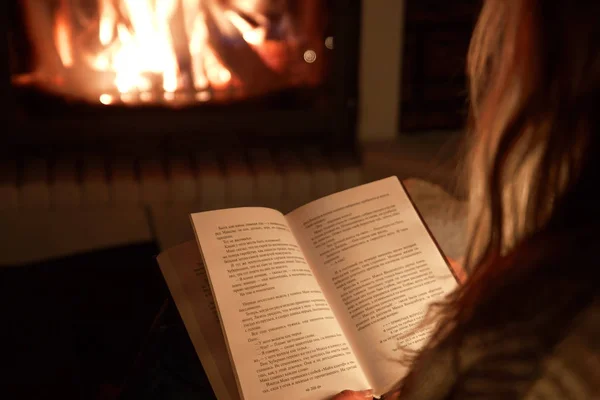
{"x":186,"y":71}
{"x":111,"y":140}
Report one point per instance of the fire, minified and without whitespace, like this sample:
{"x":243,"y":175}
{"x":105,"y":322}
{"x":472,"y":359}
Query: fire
{"x":254,"y":36}
{"x":137,"y":45}
{"x":61,"y":37}
{"x":173,"y":51}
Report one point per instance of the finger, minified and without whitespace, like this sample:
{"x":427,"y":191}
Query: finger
{"x":459,"y":271}
{"x":354,"y":395}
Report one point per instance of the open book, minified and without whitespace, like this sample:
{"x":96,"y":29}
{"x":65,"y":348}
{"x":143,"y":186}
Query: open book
{"x":310,"y":303}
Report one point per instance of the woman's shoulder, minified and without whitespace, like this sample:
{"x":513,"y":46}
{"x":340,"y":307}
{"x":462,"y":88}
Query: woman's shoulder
{"x":514,"y":361}
{"x":572,"y":369}
{"x":526,"y":363}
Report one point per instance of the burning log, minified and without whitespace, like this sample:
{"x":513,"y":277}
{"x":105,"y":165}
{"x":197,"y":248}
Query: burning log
{"x":237,"y":55}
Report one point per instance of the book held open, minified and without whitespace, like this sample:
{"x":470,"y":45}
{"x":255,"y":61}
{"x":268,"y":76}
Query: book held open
{"x":305,"y":305}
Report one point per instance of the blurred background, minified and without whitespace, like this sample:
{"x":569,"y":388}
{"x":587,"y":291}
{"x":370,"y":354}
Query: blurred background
{"x":123,"y":116}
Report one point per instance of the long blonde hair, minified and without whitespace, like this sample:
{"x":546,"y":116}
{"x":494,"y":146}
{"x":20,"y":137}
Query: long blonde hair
{"x":534,"y":73}
{"x":523,"y":156}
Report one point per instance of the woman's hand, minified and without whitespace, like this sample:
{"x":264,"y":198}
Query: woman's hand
{"x":459,"y":271}
{"x":352,"y":395}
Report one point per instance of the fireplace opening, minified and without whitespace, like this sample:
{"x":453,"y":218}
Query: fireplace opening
{"x":172,"y":52}
{"x":180,"y":71}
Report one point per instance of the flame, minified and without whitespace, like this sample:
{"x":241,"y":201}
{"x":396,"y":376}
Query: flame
{"x":255,"y":36}
{"x":62,"y":35}
{"x":142,"y":51}
{"x":144,"y":48}
{"x":136,"y":45}
{"x":108,"y":21}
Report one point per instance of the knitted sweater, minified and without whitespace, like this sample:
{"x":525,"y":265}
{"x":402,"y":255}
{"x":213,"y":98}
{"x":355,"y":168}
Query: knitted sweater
{"x":512,"y":363}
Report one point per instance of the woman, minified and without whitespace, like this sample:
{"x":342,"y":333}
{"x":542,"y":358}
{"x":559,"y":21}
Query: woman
{"x":526,"y":323}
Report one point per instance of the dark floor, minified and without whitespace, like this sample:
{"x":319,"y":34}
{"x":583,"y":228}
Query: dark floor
{"x":76,"y":325}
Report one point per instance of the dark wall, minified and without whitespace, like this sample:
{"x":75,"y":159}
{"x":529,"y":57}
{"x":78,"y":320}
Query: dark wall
{"x":434,"y":94}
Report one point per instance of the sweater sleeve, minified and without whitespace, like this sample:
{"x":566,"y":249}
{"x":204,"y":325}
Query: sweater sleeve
{"x":503,"y":364}
{"x":572,"y":371}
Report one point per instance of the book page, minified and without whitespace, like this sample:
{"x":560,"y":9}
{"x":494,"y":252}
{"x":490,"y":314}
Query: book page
{"x":379,"y":269}
{"x":283,"y":338}
{"x":185,"y":275}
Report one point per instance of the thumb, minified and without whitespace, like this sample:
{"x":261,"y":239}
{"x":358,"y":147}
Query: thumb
{"x":354,"y":395}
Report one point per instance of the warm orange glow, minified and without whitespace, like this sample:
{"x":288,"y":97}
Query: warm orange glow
{"x":203,"y":96}
{"x":107,"y":21}
{"x":216,"y":73}
{"x":254,"y":36}
{"x":146,"y":96}
{"x":62,"y":38}
{"x":178,"y":51}
{"x":144,"y":48}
